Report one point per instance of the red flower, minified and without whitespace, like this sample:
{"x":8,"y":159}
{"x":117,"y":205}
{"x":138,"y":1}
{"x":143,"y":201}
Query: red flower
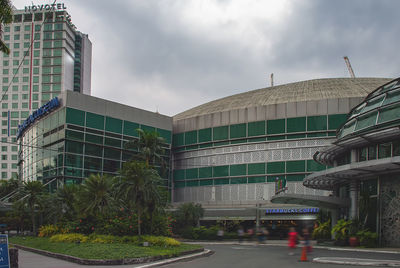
{"x":77,"y":228}
{"x":130,"y":226}
{"x":92,"y":228}
{"x":80,"y":220}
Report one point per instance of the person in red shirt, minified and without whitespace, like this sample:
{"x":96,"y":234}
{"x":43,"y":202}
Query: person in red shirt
{"x":292,"y":240}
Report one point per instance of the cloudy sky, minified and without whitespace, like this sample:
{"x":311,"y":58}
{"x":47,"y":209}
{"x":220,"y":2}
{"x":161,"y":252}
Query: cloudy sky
{"x":172,"y":55}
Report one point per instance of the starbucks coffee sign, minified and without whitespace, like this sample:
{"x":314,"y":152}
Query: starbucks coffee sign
{"x":47,"y":7}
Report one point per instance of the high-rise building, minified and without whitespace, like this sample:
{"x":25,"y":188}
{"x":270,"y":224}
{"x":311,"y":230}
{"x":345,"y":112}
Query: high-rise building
{"x":48,"y":56}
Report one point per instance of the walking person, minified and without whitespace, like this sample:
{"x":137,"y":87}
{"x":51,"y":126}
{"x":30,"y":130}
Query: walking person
{"x":293,"y":238}
{"x":306,"y":239}
{"x":240,"y":234}
{"x":220,"y":234}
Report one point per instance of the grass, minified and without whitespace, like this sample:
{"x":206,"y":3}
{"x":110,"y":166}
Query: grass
{"x":111,"y":251}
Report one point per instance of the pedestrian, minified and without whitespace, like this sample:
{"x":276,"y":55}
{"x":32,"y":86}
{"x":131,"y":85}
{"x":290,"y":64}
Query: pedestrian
{"x":293,"y":238}
{"x":306,"y":239}
{"x":265,"y":234}
{"x":220,"y":234}
{"x":250,"y":233}
{"x":240,"y":234}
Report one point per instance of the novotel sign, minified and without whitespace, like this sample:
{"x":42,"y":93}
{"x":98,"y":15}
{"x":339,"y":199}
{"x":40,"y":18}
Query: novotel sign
{"x":47,"y":7}
{"x":291,"y":210}
{"x":42,"y":111}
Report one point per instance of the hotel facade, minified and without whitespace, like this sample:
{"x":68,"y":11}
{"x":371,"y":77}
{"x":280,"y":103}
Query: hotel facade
{"x":48,"y":56}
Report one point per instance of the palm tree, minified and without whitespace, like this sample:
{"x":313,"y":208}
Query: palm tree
{"x":95,"y":195}
{"x":138,"y":186}
{"x":149,"y":146}
{"x":5,"y":18}
{"x":67,"y":197}
{"x":33,"y":192}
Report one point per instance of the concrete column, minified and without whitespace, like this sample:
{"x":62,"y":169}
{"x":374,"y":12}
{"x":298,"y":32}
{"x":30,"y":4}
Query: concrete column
{"x":354,"y":189}
{"x":353,"y":156}
{"x":258,"y":215}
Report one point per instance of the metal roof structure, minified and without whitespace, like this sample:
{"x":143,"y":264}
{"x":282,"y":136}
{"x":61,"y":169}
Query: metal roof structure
{"x":316,"y":89}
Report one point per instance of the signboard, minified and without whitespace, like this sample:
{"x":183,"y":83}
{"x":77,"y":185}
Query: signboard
{"x":291,"y":210}
{"x":4,"y":256}
{"x":42,"y":111}
{"x":47,"y":7}
{"x":280,"y":185}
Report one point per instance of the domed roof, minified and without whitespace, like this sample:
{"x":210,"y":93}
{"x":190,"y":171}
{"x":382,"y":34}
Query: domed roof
{"x":329,"y":88}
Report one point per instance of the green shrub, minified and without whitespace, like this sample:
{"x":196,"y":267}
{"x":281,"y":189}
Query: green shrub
{"x":160,"y":241}
{"x":367,"y":239}
{"x":48,"y":230}
{"x":323,"y":231}
{"x":104,"y":239}
{"x":69,"y":238}
{"x":342,"y":230}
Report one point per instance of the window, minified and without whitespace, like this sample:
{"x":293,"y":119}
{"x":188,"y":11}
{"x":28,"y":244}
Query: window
{"x":26,"y":62}
{"x":5,"y":79}
{"x":4,"y":105}
{"x":37,"y":27}
{"x":58,"y":26}
{"x":24,"y":106}
{"x":15,"y":62}
{"x":14,"y":88}
{"x":17,"y":28}
{"x":25,"y":70}
{"x":16,"y":45}
{"x":36,"y":53}
{"x":57,"y":52}
{"x":5,"y":63}
{"x":57,"y":43}
{"x":25,"y":88}
{"x":56,"y":78}
{"x":36,"y":62}
{"x":36,"y":44}
{"x":5,"y":71}
{"x":5,"y":97}
{"x":57,"y":61}
{"x":46,"y":79}
{"x":24,"y":96}
{"x":47,"y":44}
{"x":46,"y":70}
{"x":27,"y":36}
{"x":36,"y":70}
{"x":27,"y":27}
{"x":36,"y":36}
{"x":48,"y":27}
{"x":7,"y":29}
{"x":58,"y":35}
{"x":35,"y":97}
{"x":14,"y":105}
{"x":7,"y":37}
{"x":16,"y":36}
{"x":384,"y":150}
{"x":36,"y":79}
{"x":16,"y":53}
{"x":35,"y":105}
{"x":26,"y":45}
{"x":57,"y":70}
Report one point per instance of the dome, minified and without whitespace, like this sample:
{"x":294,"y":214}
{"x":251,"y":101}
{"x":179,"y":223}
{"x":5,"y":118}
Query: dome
{"x":316,"y":89}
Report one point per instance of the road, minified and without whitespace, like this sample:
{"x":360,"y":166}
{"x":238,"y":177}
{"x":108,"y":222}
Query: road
{"x":226,"y":255}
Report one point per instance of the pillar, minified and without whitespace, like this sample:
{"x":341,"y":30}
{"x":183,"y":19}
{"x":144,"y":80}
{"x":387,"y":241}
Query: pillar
{"x":354,"y":189}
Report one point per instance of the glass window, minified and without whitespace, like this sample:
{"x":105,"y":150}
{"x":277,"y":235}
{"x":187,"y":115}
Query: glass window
{"x":36,"y":70}
{"x":36,"y":44}
{"x":17,"y":28}
{"x":5,"y":71}
{"x":36,"y":53}
{"x":56,"y":78}
{"x":16,"y":36}
{"x":366,"y":121}
{"x":396,"y":148}
{"x":372,"y":152}
{"x":362,"y":154}
{"x":27,"y":36}
{"x":47,"y":44}
{"x":14,"y":105}
{"x":5,"y":63}
{"x":57,"y":61}
{"x":37,"y":27}
{"x":26,"y":45}
{"x":36,"y":36}
{"x":58,"y":43}
{"x":16,"y":45}
{"x":14,"y":88}
{"x":7,"y":29}
{"x":25,"y":70}
{"x":384,"y":150}
{"x":389,"y":114}
{"x":6,"y":37}
{"x":57,"y":52}
{"x":16,"y":54}
{"x":25,"y":87}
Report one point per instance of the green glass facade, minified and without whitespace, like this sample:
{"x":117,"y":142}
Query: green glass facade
{"x":258,"y":132}
{"x":70,"y":144}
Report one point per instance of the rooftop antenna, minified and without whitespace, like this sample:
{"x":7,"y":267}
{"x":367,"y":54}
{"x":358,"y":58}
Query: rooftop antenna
{"x":346,"y":59}
{"x":272,"y":79}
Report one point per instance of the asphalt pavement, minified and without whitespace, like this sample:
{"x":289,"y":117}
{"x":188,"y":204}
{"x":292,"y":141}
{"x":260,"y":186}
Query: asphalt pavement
{"x":251,"y":255}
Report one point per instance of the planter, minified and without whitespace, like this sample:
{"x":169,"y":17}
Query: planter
{"x":353,"y":241}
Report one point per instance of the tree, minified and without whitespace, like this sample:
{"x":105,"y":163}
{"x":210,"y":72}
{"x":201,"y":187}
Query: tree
{"x":189,"y":214}
{"x":5,"y":18}
{"x":67,"y":197}
{"x":149,"y":147}
{"x":33,"y":192}
{"x":138,"y":187}
{"x":95,"y":195}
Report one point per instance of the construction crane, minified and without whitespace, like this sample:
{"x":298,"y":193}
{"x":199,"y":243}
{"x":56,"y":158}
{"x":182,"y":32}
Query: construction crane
{"x":346,"y":59}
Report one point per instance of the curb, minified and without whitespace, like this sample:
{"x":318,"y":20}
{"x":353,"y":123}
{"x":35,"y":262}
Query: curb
{"x":356,"y":261}
{"x":139,"y":260}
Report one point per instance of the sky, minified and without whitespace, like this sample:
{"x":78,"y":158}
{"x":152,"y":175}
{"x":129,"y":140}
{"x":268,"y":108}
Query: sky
{"x":171,"y":55}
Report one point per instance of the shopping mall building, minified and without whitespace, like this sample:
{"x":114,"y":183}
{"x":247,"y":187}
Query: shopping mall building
{"x":271,"y":156}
